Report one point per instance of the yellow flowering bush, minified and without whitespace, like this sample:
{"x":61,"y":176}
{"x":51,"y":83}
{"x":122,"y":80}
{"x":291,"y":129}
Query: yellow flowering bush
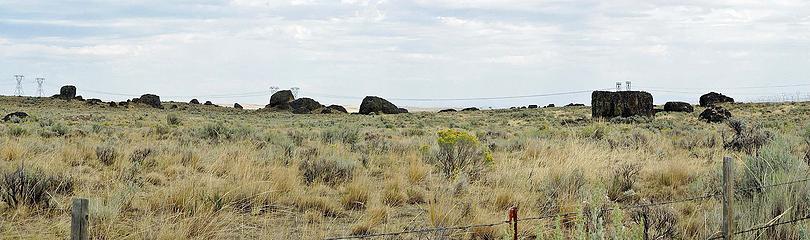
{"x":459,"y":152}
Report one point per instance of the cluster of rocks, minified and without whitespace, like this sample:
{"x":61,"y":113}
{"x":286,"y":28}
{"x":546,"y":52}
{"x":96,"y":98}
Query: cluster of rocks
{"x":68,"y":93}
{"x":469,"y":109}
{"x":285,"y":101}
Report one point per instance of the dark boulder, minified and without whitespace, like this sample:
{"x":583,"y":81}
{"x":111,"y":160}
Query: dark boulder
{"x":549,"y":106}
{"x":606,"y":104}
{"x":149,"y":99}
{"x":678,"y":107}
{"x":67,"y":92}
{"x":18,"y":115}
{"x":575,"y":105}
{"x":237,"y":106}
{"x":113,"y":104}
{"x":402,"y":110}
{"x":447,"y":110}
{"x":337,"y":109}
{"x":281,"y":99}
{"x":715,"y":114}
{"x":194,"y":101}
{"x":470,"y":109}
{"x":94,"y":101}
{"x":712,"y":98}
{"x":305,"y":106}
{"x":532,"y":106}
{"x":124,"y":104}
{"x":208,"y":103}
{"x":79,"y":98}
{"x":373,"y":104}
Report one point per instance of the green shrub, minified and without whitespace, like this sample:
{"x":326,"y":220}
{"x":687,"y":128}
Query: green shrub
{"x":106,"y":154}
{"x":747,"y":138}
{"x":346,"y":135}
{"x":173,"y":119}
{"x":328,"y":171}
{"x":31,"y":187}
{"x":17,"y":131}
{"x":459,"y":152}
{"x":215,"y":132}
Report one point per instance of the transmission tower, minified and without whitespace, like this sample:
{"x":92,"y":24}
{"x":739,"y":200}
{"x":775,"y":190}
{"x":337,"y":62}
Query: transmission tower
{"x":19,"y":89}
{"x":39,"y":86}
{"x":627,"y":85}
{"x":618,"y":86}
{"x":295,"y":91}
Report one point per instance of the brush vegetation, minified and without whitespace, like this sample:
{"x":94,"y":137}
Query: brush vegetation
{"x":203,"y":172}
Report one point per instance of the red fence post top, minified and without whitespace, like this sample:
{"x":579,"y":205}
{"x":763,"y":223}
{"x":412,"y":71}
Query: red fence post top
{"x":513,"y":214}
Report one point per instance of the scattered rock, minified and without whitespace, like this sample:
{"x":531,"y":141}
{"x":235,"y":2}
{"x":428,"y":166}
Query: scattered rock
{"x":113,"y":104}
{"x":575,"y":105}
{"x":237,"y":106}
{"x":208,"y":103}
{"x":549,"y":106}
{"x":447,"y":110}
{"x":712,"y":98}
{"x":373,"y":104}
{"x":281,"y":99}
{"x":402,"y":110}
{"x":532,"y":106}
{"x":17,"y":115}
{"x":337,"y":109}
{"x":124,"y":104}
{"x":606,"y":104}
{"x":470,"y":109}
{"x":94,"y":101}
{"x":79,"y":98}
{"x":715,"y":114}
{"x":67,"y":92}
{"x":149,"y":99}
{"x":576,"y":121}
{"x":194,"y":101}
{"x":174,"y":106}
{"x":305,"y":106}
{"x":678,"y":107}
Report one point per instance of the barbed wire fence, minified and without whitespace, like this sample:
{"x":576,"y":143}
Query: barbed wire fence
{"x":725,"y":233}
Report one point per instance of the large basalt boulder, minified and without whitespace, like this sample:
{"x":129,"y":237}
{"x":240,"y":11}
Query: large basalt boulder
{"x":450,"y":110}
{"x":281,"y":99}
{"x":532,"y":106}
{"x":208,"y":103}
{"x":712,"y":98}
{"x":470,"y":109}
{"x":606,"y":104}
{"x":113,"y":104}
{"x":67,"y":92}
{"x":336,"y":109}
{"x":18,"y":115}
{"x":402,"y":110}
{"x":678,"y":107}
{"x":194,"y":101}
{"x":305,"y":106}
{"x":715,"y":114}
{"x":373,"y":104}
{"x":237,"y":106}
{"x":149,"y":99}
{"x":551,"y":105}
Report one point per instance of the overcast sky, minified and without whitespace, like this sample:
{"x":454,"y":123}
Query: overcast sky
{"x":407,"y":49}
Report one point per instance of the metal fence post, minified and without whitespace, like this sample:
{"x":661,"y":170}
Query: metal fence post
{"x":79,"y":219}
{"x":513,"y":218}
{"x":728,"y":198}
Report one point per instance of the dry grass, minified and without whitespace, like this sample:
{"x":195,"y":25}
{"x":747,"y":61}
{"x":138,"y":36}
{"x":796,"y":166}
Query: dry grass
{"x":200,"y":172}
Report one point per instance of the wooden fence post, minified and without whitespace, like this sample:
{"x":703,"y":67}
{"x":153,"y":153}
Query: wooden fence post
{"x":79,"y":220}
{"x":513,"y":217}
{"x":728,"y":198}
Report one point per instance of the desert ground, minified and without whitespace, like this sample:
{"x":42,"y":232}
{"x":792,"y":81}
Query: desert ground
{"x":208,"y":172}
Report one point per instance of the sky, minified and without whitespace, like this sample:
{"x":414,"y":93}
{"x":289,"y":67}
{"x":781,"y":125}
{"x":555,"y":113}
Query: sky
{"x":341,"y":50}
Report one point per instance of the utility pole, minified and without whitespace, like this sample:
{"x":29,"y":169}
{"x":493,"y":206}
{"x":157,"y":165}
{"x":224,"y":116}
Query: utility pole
{"x":39,"y":85}
{"x":19,"y":89}
{"x":627,"y":85}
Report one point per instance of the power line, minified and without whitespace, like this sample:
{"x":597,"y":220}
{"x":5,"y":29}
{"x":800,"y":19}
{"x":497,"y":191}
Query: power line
{"x":466,"y":99}
{"x":19,"y":89}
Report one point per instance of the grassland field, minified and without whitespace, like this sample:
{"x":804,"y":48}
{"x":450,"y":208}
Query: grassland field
{"x":205,"y":172}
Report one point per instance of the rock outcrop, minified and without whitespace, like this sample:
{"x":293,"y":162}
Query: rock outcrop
{"x":194,"y":101}
{"x":678,"y":107}
{"x":18,"y":115}
{"x":447,"y":110}
{"x":149,"y":99}
{"x":237,"y":106}
{"x":281,"y":99}
{"x":715,"y":114}
{"x":470,"y":109}
{"x":606,"y":104}
{"x":336,"y":109}
{"x":378,"y":105}
{"x":67,"y":92}
{"x":712,"y":98}
{"x":305,"y":106}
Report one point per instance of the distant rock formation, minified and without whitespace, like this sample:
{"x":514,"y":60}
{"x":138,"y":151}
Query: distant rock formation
{"x":208,"y":103}
{"x":18,"y":115}
{"x":237,"y":106}
{"x":305,"y":106}
{"x":712,"y":98}
{"x":281,"y":99}
{"x":678,"y":107}
{"x":470,"y":109}
{"x":149,"y":99}
{"x":715,"y":114}
{"x":194,"y":101}
{"x":447,"y":110}
{"x":549,"y":106}
{"x":575,"y":105}
{"x":532,"y":106}
{"x":336,"y":109}
{"x":67,"y":92}
{"x":606,"y":104}
{"x":378,"y":105}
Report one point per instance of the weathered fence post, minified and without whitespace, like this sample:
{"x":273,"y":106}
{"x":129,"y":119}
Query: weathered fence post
{"x":79,"y":220}
{"x":513,"y":218}
{"x":728,"y":198}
